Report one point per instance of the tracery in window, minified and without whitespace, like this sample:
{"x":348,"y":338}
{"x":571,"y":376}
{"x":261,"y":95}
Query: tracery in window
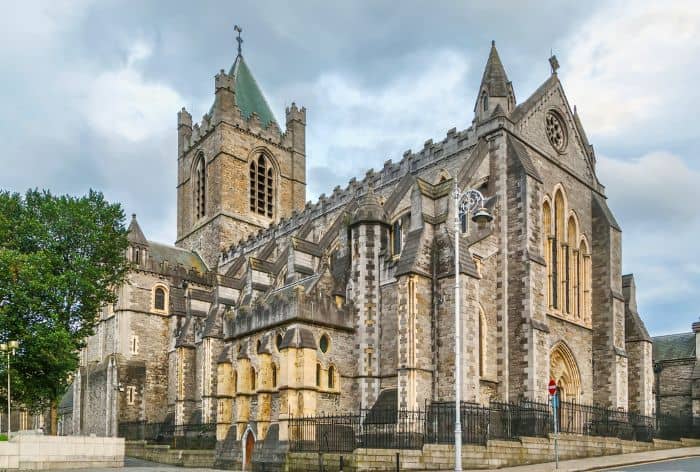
{"x":555,"y":130}
{"x":567,"y":259}
{"x":261,"y":187}
{"x":200,"y":184}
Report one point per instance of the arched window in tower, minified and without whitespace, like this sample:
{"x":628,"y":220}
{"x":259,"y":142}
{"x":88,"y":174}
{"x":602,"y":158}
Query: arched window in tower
{"x":200,"y":185}
{"x":137,"y":256}
{"x":485,"y":101}
{"x":234,"y":382}
{"x":464,"y":222}
{"x":558,"y":278}
{"x":252,"y":379}
{"x":159,"y":299}
{"x":318,"y":375}
{"x":274,"y":375}
{"x":261,"y":187}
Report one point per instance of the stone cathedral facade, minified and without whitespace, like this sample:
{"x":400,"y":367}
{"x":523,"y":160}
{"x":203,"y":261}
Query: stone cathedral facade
{"x":269,"y":307}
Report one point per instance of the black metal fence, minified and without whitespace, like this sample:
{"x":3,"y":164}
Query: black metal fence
{"x":187,"y":436}
{"x":403,"y":429}
{"x":389,"y":429}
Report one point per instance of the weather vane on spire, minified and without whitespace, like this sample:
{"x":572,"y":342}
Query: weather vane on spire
{"x":239,"y":30}
{"x":553,"y":62}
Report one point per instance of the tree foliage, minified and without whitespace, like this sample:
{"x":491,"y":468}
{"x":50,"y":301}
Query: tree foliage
{"x":61,"y":258}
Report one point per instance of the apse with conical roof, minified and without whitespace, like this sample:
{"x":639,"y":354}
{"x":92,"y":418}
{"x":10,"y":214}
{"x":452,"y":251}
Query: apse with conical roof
{"x":496,"y":94}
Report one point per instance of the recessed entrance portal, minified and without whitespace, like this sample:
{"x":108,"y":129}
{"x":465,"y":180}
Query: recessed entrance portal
{"x":564,"y":370}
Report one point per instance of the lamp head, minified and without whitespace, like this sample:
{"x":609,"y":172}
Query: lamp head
{"x":14,"y":344}
{"x":482,"y":216}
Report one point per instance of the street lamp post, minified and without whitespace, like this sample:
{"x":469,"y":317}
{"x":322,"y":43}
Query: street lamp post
{"x":466,"y":202}
{"x":10,"y":348}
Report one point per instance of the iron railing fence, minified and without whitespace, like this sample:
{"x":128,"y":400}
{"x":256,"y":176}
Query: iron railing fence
{"x":404,"y":429}
{"x":676,"y":427}
{"x":184,"y":436}
{"x":380,"y":429}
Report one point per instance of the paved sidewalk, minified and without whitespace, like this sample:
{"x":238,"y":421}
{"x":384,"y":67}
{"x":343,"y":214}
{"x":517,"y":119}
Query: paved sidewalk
{"x":606,"y":462}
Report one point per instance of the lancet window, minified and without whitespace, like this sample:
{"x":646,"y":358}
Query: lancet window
{"x":567,"y":259}
{"x":200,"y":185}
{"x":261,"y":187}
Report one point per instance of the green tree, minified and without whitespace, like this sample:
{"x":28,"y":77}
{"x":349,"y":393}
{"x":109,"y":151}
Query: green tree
{"x":61,"y":258}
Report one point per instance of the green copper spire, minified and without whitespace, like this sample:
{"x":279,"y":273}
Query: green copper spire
{"x":249,"y":97}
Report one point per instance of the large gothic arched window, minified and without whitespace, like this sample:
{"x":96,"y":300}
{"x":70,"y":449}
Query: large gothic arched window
{"x":261,"y":187}
{"x":200,"y":184}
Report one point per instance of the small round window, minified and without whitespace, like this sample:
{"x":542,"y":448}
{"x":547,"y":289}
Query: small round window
{"x":278,"y":341}
{"x":323,"y":343}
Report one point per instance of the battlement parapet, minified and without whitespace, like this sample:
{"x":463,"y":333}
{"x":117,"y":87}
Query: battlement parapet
{"x":391,"y":172}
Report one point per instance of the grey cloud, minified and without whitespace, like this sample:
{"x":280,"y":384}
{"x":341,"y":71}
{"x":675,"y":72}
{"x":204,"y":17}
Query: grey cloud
{"x":352,"y":65}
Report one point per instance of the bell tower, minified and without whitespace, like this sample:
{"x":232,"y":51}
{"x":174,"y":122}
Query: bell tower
{"x":238,"y":172}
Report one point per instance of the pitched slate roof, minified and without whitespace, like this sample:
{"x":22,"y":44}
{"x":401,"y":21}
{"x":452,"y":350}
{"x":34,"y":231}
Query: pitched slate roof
{"x":523,"y":109}
{"x":249,"y":97}
{"x":518,"y":152}
{"x":673,"y":346}
{"x":176,"y":256}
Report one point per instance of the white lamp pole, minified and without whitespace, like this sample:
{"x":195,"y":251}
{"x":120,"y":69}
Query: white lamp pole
{"x":466,"y":202}
{"x":9,"y":348}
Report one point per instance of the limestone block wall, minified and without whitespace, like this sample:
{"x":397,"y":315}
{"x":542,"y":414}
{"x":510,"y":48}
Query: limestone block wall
{"x":675,"y":387}
{"x":494,"y":455}
{"x":39,"y":452}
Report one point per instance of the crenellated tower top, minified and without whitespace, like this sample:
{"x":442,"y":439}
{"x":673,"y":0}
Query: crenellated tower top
{"x":238,"y":171}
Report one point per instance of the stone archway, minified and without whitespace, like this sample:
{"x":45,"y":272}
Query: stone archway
{"x":248,"y":441}
{"x":564,"y":370}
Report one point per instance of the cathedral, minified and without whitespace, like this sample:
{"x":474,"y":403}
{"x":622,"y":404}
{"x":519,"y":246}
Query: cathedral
{"x":270,"y":307}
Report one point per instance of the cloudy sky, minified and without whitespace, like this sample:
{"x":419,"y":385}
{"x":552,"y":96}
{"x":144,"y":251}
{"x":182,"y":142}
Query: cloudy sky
{"x":90,"y":91}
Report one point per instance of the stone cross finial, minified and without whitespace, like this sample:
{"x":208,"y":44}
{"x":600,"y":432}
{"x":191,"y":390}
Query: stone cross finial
{"x":554,"y":63}
{"x":239,"y":30}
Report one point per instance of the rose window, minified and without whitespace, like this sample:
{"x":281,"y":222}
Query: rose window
{"x":556,"y":131}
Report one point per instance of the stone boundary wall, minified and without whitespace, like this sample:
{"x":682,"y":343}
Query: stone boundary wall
{"x":494,"y":455}
{"x":38,"y":452}
{"x":165,"y":455}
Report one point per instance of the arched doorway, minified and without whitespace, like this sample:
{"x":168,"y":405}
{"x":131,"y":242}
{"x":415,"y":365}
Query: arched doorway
{"x":248,"y":446}
{"x":564,"y":370}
